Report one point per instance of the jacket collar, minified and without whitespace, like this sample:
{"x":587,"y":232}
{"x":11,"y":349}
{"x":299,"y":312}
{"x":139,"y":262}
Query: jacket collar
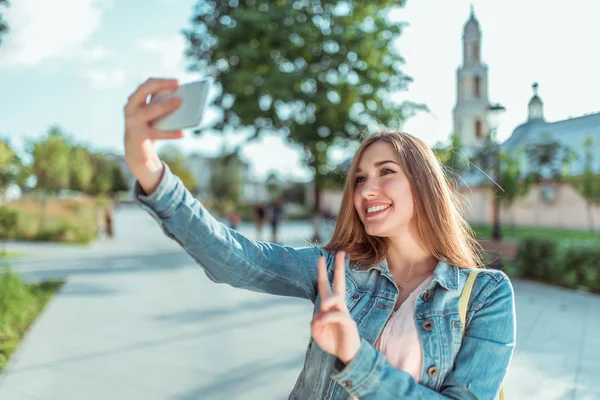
{"x":447,"y":276}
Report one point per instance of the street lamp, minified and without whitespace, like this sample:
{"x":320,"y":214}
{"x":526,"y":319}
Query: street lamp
{"x":495,"y":111}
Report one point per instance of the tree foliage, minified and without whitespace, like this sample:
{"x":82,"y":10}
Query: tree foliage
{"x":588,"y":183}
{"x":51,"y":161}
{"x":454,"y":161}
{"x":82,"y":169}
{"x":226,"y":182}
{"x":512,"y":181}
{"x":175,"y":159}
{"x":119,"y":183}
{"x":3,"y":23}
{"x":10,"y":166}
{"x":317,"y":72}
{"x":548,"y":159}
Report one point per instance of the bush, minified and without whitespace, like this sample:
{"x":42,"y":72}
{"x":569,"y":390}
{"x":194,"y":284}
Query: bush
{"x":581,"y":267}
{"x":59,"y":220}
{"x":8,"y":222}
{"x":537,"y":257}
{"x":576,"y":267}
{"x":20,"y":304}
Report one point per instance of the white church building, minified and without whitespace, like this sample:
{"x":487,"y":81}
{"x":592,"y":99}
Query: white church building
{"x":549,"y":204}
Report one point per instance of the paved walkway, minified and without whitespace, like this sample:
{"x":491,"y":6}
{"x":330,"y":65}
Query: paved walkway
{"x":138,"y":319}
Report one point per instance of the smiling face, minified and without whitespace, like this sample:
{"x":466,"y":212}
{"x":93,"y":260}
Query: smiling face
{"x":382,"y":195}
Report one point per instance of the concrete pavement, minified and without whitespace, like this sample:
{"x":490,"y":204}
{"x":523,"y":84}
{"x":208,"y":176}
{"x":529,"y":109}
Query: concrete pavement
{"x":138,"y":319}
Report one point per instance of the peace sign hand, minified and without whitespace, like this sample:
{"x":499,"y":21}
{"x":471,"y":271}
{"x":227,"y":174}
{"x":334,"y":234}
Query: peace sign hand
{"x":333,"y":328}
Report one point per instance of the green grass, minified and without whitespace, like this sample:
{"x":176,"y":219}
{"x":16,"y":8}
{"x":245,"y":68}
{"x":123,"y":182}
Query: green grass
{"x":20,"y":304}
{"x":11,"y":254}
{"x":519,"y":233}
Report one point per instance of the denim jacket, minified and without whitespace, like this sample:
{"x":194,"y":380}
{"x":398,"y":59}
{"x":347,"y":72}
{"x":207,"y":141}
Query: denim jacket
{"x":454,"y":367}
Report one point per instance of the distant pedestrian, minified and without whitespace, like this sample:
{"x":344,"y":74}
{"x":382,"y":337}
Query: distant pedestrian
{"x":260,"y":217}
{"x":275,"y":215}
{"x":234,"y":219}
{"x":108,"y":217}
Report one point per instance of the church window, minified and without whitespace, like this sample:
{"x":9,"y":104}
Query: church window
{"x":478,"y":132}
{"x":476,"y":85}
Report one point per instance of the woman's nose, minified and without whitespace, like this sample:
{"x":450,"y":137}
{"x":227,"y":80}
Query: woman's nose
{"x":369,"y":189}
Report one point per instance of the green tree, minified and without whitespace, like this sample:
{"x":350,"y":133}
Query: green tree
{"x":119,"y":183}
{"x":317,"y":73}
{"x":10,"y":166}
{"x":51,"y":161}
{"x":588,"y":184}
{"x":453,"y":159}
{"x":81,"y":169}
{"x":548,"y":159}
{"x":512,"y":182}
{"x":226,"y":182}
{"x":173,"y":157}
{"x":3,"y":24}
{"x":103,"y":176}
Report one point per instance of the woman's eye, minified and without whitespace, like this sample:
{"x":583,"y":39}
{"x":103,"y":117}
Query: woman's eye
{"x":386,"y":171}
{"x":359,"y":179}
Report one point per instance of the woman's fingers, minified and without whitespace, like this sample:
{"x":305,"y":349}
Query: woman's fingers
{"x":339,"y":278}
{"x":334,"y":302}
{"x":161,"y":135}
{"x":154,"y":111}
{"x":339,"y":317}
{"x":151,"y":86}
{"x":322,"y":279}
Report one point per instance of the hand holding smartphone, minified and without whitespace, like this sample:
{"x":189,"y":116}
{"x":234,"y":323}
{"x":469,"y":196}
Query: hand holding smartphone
{"x":194,"y":96}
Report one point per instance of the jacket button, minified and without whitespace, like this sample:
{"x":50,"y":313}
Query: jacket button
{"x":355,"y":296}
{"x":427,"y":295}
{"x":347,"y":384}
{"x":456,"y":324}
{"x":432,"y":371}
{"x":428,"y":326}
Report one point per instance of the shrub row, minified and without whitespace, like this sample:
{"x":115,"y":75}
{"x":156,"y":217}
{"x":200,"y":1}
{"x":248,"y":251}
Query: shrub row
{"x":576,"y":267}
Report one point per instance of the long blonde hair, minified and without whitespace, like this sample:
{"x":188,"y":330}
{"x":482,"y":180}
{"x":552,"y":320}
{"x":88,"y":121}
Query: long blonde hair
{"x":438,"y":211}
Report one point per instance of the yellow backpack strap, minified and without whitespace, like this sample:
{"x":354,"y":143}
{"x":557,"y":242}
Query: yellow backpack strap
{"x":464,"y":298}
{"x":462,"y":308}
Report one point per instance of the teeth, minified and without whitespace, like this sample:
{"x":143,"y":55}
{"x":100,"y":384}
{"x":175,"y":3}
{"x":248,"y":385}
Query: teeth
{"x":376,"y":208}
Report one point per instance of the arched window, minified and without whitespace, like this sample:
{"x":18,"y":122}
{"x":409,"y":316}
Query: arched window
{"x":476,"y":84}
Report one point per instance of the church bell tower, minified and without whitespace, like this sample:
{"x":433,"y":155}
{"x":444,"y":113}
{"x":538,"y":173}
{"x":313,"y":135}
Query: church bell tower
{"x":470,"y":111}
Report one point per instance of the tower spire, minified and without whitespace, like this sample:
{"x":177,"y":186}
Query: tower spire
{"x":536,"y":105}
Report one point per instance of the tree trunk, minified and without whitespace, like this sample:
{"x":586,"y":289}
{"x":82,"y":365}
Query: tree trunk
{"x":591,"y":217}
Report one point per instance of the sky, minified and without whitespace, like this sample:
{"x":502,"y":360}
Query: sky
{"x":73,"y":63}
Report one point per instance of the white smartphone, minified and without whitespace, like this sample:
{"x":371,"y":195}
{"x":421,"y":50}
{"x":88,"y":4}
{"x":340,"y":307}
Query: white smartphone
{"x":194,"y":96}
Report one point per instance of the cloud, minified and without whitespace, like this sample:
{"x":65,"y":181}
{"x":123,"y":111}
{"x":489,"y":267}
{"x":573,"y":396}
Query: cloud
{"x":170,"y":52}
{"x":93,"y":54}
{"x":104,"y":79}
{"x":41,"y":30}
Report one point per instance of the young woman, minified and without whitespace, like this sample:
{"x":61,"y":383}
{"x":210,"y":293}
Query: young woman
{"x":398,"y":259}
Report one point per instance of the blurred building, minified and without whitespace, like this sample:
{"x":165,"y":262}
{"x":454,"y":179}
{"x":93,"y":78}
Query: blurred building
{"x":549,"y":204}
{"x":202,"y":168}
